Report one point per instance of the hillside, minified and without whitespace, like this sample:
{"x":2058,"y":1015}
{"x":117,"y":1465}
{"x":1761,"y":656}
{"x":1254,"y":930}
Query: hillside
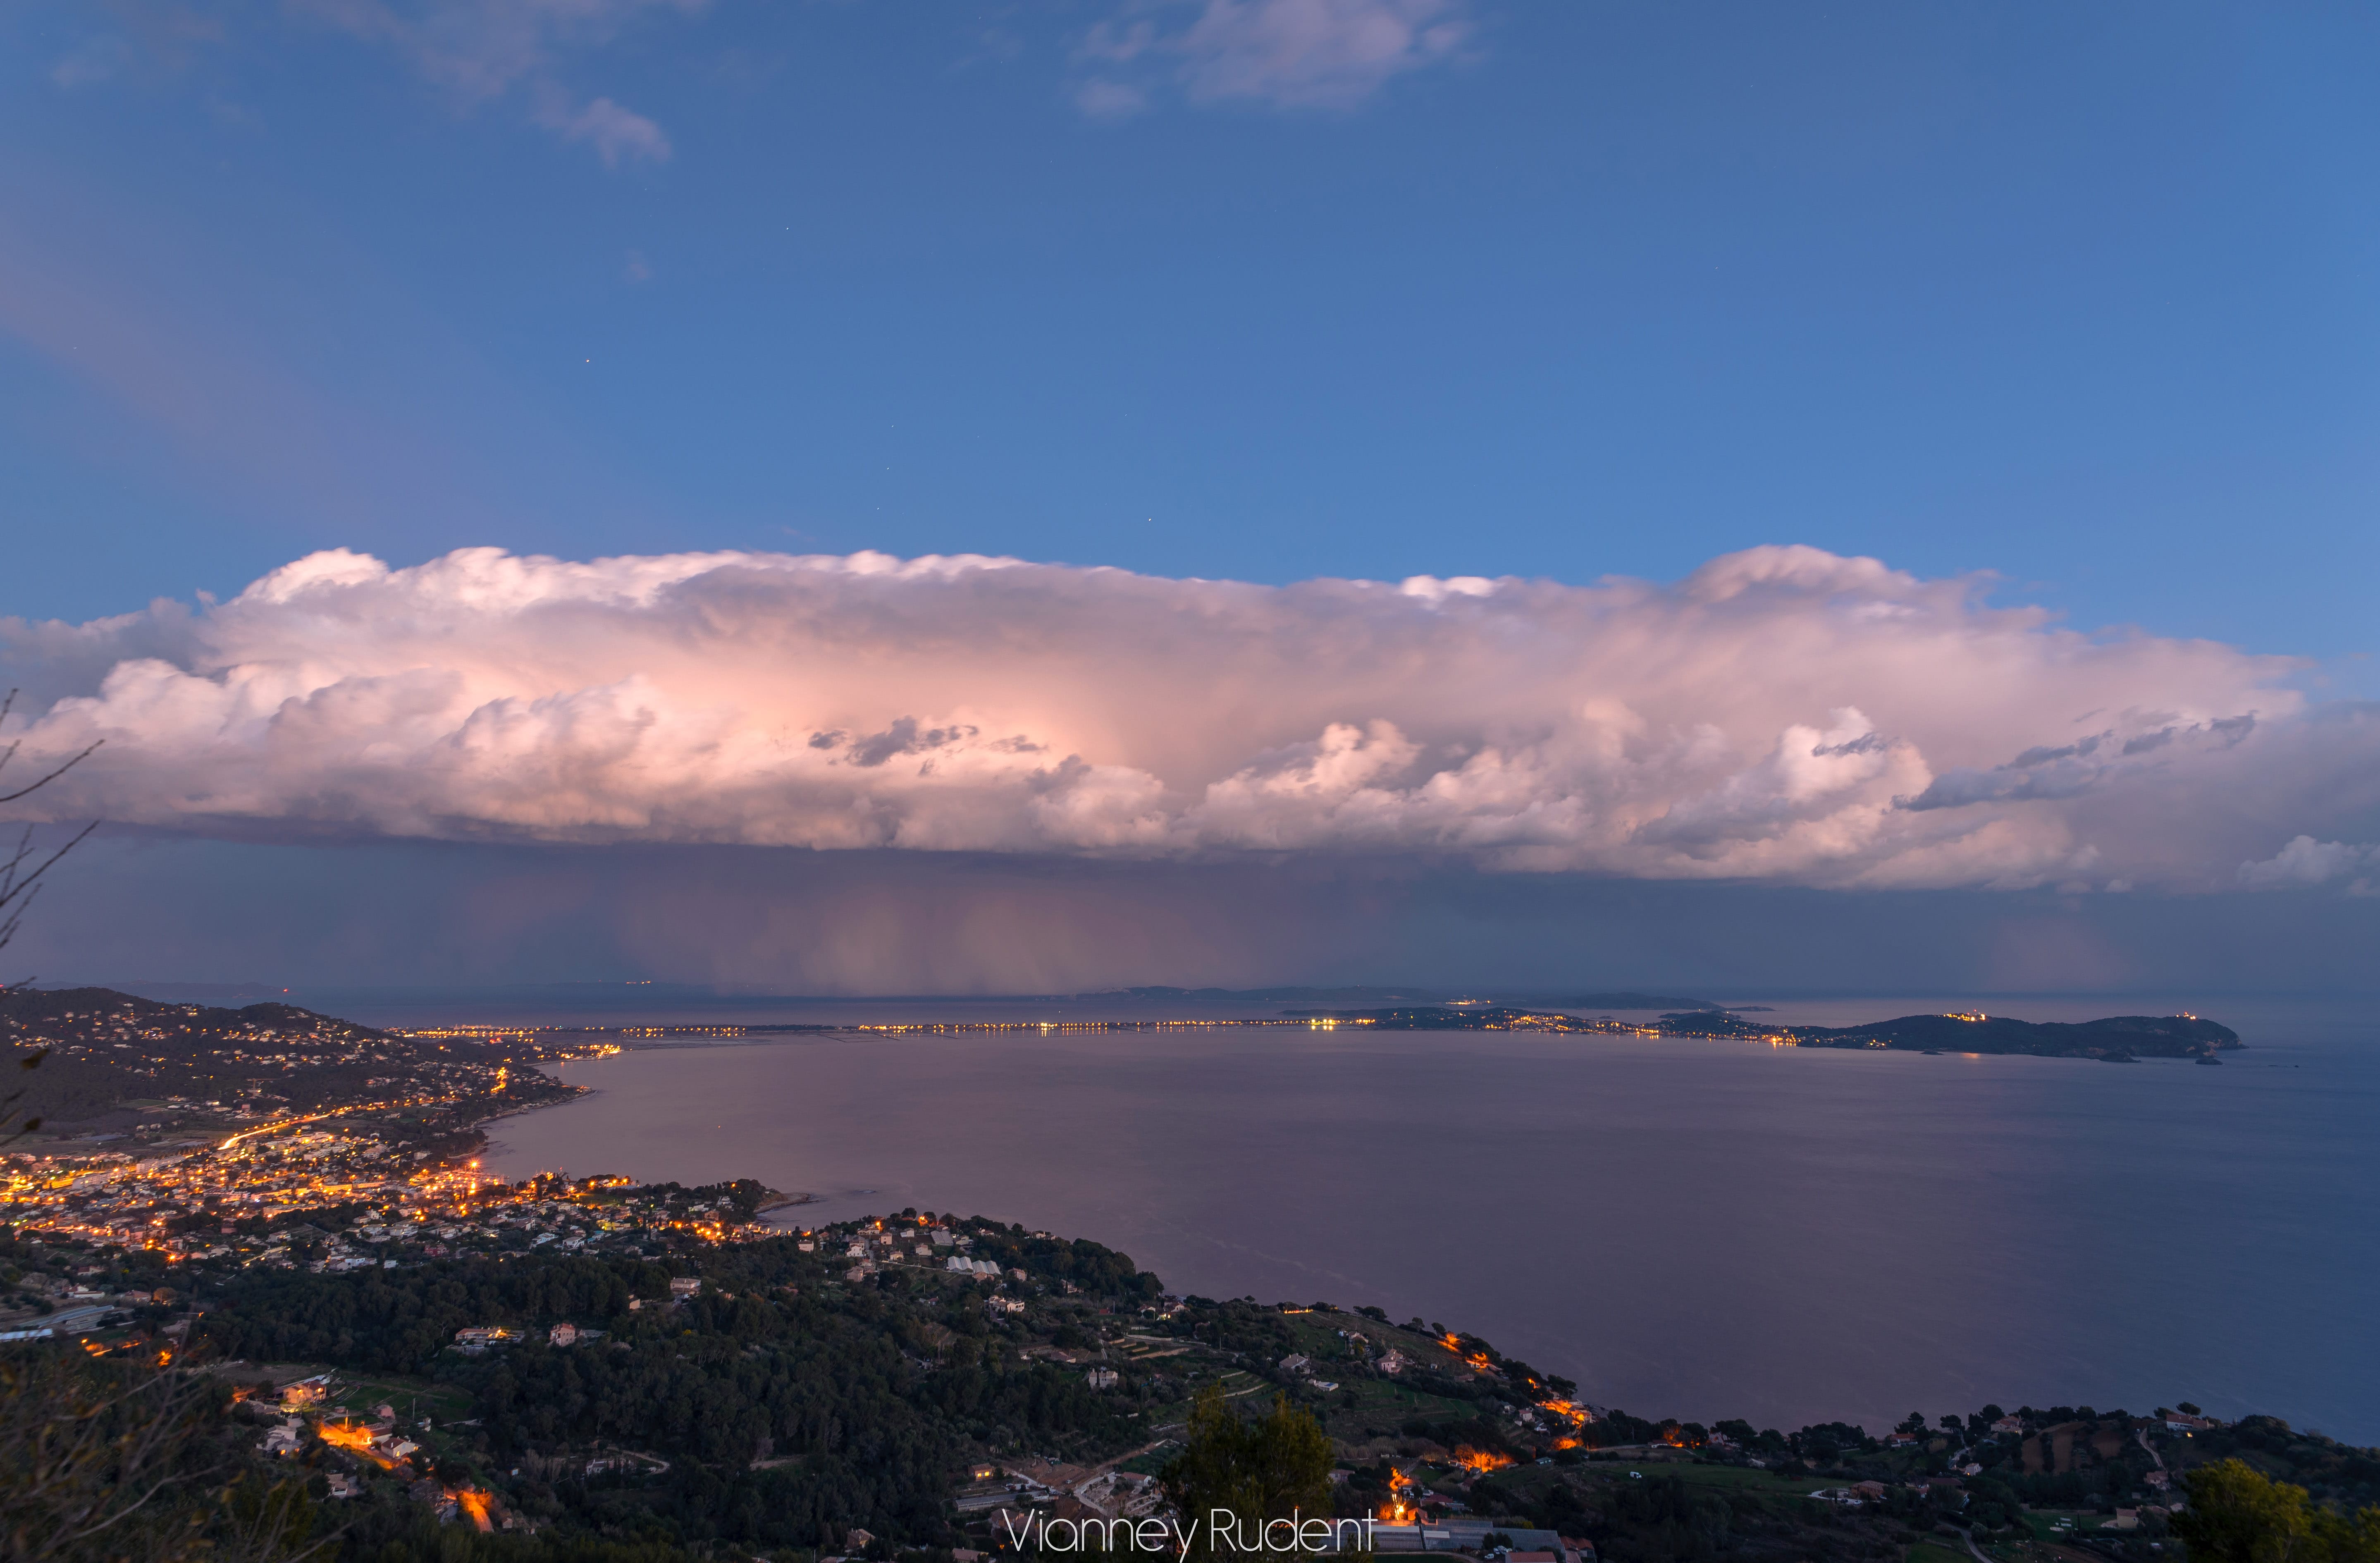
{"x":891,"y":1386}
{"x":122,"y":1067}
{"x":2115,"y":1038}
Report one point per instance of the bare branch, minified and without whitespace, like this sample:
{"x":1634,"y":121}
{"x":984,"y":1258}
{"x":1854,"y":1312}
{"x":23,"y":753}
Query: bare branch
{"x":19,"y":885}
{"x":35,"y":786}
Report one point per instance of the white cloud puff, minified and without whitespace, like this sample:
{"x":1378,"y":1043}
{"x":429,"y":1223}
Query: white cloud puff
{"x":1290,"y":53}
{"x":1782,"y":715}
{"x":2304,"y":863}
{"x":1329,"y":52}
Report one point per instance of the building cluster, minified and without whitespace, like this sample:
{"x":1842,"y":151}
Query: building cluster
{"x":325,"y":1197}
{"x":924,"y":1244}
{"x":354,"y":1439}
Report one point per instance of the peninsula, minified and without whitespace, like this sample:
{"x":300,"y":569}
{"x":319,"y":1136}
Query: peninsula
{"x":2114,"y":1039}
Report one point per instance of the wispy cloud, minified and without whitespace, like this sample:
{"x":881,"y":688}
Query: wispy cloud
{"x":95,"y":59}
{"x":483,"y":51}
{"x":1782,"y":715}
{"x":618,"y":135}
{"x":1290,"y":53}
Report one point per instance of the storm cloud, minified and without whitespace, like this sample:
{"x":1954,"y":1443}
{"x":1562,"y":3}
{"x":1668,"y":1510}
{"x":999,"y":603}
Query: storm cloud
{"x":1782,"y":715}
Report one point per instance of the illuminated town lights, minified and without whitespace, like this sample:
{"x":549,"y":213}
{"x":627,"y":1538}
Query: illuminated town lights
{"x":474,"y":1503}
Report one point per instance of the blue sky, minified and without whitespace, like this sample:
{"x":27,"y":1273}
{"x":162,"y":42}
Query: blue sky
{"x":1238,"y":290}
{"x":2081,"y":296}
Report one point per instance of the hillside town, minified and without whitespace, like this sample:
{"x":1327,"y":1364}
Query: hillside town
{"x":178,"y":1144}
{"x":324,"y":1200}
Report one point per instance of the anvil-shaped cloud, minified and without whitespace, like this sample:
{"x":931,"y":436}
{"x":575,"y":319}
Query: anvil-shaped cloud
{"x":1781,"y":714}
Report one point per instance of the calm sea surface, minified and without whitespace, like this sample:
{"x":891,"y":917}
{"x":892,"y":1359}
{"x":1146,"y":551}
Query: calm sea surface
{"x":1700,"y":1229}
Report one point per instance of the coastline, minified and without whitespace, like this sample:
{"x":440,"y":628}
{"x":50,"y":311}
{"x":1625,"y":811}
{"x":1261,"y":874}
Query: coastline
{"x":1612,"y":1209}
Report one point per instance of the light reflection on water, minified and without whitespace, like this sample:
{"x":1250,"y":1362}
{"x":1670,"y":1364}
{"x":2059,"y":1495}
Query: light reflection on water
{"x":1702,"y":1229}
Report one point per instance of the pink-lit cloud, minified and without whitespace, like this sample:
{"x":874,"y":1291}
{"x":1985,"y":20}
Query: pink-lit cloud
{"x":1782,"y":715}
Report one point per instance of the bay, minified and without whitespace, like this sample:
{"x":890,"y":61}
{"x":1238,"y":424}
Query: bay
{"x":1691,"y":1228}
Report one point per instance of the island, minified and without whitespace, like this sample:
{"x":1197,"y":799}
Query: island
{"x":2116,"y":1039}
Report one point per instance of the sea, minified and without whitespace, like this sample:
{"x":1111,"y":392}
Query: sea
{"x":1690,"y":1228}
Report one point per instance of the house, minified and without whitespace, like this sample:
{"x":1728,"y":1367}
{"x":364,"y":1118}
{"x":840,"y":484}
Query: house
{"x":305,"y":1391}
{"x":484,"y":1337}
{"x":2179,"y":1422}
{"x":2008,"y":1425}
{"x":563,"y":1335}
{"x":1871,"y":1491}
{"x":1394,"y":1363}
{"x":1295,"y":1364}
{"x":1469,"y":1532}
{"x":983,"y":1267}
{"x":1101,"y":1378}
{"x":684,"y":1286}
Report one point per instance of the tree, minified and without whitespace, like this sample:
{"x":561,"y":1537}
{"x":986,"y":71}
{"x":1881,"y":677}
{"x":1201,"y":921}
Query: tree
{"x":2237,"y":1514}
{"x":20,"y":874}
{"x":1277,"y":1467}
{"x":102,"y":1462}
{"x":21,"y":880}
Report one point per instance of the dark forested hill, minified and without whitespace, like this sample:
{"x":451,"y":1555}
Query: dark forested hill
{"x":2117,"y":1037}
{"x":2162,"y":1036}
